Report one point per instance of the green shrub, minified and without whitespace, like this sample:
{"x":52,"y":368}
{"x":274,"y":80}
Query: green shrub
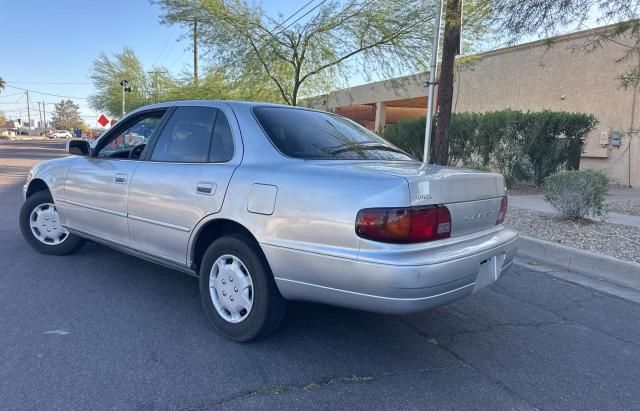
{"x":577,"y":194}
{"x":407,"y":135}
{"x":552,"y":141}
{"x":462,"y":137}
{"x":523,"y":147}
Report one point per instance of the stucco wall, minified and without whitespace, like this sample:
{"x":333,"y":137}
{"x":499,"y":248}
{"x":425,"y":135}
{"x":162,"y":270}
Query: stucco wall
{"x":540,"y":75}
{"x":559,"y":77}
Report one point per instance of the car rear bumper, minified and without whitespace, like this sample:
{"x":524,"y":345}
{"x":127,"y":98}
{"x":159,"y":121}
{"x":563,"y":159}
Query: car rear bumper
{"x":394,"y":288}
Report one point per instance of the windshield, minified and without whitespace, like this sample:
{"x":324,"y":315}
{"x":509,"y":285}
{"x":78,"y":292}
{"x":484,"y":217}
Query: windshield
{"x":315,"y":135}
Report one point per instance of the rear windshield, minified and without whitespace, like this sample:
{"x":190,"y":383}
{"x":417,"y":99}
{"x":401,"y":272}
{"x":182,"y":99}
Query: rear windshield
{"x":309,"y":134}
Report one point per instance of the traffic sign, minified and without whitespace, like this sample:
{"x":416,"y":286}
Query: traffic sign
{"x":103,"y":121}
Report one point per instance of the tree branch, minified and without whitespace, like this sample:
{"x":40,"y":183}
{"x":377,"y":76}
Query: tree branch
{"x":266,"y":68}
{"x":350,"y":54}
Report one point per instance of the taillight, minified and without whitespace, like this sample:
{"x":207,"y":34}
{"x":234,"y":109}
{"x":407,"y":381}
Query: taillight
{"x":404,"y":225}
{"x":503,"y":210}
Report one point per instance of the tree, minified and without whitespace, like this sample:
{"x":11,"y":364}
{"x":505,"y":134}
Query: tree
{"x":107,"y":73}
{"x":3,"y":84}
{"x":3,"y":119}
{"x":157,"y":85}
{"x":450,"y":48}
{"x":217,"y":85}
{"x":312,"y":52}
{"x":66,"y":115}
{"x":474,"y":25}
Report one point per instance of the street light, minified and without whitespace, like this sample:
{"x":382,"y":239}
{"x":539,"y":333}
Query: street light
{"x":126,"y":88}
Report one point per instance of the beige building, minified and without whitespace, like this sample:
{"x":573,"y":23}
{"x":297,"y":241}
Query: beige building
{"x":556,"y":75}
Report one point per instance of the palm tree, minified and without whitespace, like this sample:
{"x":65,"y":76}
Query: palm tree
{"x":2,"y":84}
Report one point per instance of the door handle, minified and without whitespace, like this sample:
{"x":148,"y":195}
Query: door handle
{"x":120,"y":178}
{"x":206,"y":188}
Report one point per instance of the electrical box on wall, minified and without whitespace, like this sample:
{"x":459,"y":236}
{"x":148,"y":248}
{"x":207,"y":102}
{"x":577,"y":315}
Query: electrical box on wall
{"x":616,"y":139}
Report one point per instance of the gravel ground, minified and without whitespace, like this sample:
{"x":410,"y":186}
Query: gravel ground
{"x":630,"y":207}
{"x":615,"y":240}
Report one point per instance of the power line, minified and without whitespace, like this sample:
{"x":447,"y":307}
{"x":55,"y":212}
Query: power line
{"x":11,"y":102}
{"x":45,"y":82}
{"x":173,"y":46}
{"x":291,"y":16}
{"x":232,"y":62}
{"x":46,"y":94}
{"x":262,"y":37}
{"x":164,"y":47}
{"x":304,"y":15}
{"x":11,"y":95}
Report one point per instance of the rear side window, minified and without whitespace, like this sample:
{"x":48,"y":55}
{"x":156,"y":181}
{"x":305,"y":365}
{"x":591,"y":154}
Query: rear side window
{"x":310,"y":134}
{"x":222,"y":142}
{"x":187,"y":136}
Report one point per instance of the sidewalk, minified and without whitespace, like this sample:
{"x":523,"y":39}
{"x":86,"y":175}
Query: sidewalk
{"x":536,"y":202}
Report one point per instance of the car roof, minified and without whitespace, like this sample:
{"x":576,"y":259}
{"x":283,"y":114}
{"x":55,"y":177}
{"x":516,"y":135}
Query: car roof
{"x":232,"y":103}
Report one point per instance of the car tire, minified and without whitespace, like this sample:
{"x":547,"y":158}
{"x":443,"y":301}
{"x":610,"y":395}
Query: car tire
{"x":238,"y":257}
{"x":63,"y":243}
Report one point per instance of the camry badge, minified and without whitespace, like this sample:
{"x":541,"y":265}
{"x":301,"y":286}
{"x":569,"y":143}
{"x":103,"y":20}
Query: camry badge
{"x":477,"y":216}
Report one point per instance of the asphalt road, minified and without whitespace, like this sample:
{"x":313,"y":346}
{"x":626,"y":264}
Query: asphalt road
{"x":102,"y":330}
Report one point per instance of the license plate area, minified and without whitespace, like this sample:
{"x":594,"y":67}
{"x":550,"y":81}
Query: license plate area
{"x":489,"y":271}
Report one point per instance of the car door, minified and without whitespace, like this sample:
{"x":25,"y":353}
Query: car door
{"x":183,"y":179}
{"x":97,"y":186}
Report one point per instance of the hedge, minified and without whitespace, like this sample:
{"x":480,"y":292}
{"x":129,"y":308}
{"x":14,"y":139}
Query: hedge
{"x":522,"y":146}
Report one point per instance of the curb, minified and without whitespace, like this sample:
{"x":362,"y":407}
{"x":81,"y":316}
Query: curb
{"x":588,"y":262}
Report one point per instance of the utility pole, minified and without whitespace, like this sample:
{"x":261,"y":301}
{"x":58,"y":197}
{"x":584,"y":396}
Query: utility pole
{"x":28,"y":112}
{"x":432,"y":83}
{"x":44,"y":116}
{"x":156,"y":84}
{"x":195,"y":52}
{"x":40,"y":116}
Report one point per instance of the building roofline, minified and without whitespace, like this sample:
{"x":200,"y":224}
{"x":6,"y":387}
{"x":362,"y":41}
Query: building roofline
{"x":495,"y":52}
{"x":549,"y":40}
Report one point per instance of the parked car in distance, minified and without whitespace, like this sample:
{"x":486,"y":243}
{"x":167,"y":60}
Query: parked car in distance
{"x":60,"y":134}
{"x":267,"y":203}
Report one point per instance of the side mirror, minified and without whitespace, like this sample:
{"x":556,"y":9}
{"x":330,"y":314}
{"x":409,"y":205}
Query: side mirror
{"x":79,"y":147}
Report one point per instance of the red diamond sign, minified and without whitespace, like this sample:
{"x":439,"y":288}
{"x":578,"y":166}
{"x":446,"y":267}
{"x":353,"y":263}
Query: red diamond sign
{"x":103,"y":121}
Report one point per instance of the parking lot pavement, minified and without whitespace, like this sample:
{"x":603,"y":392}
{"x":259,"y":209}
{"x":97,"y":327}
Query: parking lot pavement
{"x":100,"y":329}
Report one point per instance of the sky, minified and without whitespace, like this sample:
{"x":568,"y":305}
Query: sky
{"x":56,"y":41}
{"x":49,"y":42}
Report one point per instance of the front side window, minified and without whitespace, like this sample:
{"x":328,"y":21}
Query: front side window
{"x":311,"y":135}
{"x":187,"y":136}
{"x":132,"y":138}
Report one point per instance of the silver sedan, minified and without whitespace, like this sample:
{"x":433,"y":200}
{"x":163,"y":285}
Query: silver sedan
{"x":267,"y":203}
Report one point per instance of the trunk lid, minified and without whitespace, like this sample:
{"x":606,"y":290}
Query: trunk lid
{"x":472,"y":197}
{"x":431,"y":184}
